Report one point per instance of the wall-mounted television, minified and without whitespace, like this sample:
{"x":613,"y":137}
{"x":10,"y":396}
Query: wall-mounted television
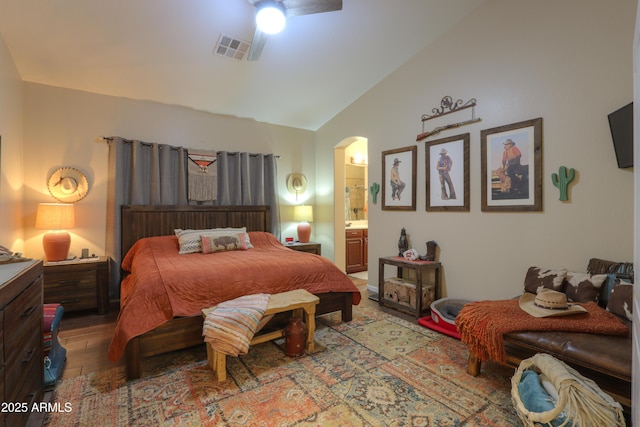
{"x":621,"y":124}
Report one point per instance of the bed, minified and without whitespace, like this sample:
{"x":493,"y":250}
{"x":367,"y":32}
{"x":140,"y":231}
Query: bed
{"x":159,"y":318}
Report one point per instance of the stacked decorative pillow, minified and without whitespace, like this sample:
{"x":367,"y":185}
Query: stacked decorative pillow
{"x":621,"y":300}
{"x":607,"y":290}
{"x":584,"y":287}
{"x":223,"y":241}
{"x":217,"y":239}
{"x":539,"y":278}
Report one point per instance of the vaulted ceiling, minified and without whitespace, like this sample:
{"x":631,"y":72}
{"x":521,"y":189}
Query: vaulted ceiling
{"x":163,"y":50}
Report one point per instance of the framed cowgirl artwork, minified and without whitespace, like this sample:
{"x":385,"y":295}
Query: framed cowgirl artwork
{"x":511,"y":157}
{"x":447,"y":173}
{"x":399,"y":179}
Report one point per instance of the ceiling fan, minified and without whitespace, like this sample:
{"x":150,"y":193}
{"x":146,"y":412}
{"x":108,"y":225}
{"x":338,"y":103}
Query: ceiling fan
{"x":288,"y":8}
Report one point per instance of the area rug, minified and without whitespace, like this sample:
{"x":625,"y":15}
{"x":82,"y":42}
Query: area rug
{"x":377,"y":370}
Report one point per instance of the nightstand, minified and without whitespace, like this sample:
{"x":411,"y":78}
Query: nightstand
{"x":80,"y":284}
{"x":311,"y":247}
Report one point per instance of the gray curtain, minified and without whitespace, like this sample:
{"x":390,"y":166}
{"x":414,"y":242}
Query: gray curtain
{"x":249,"y":179}
{"x":140,"y":173}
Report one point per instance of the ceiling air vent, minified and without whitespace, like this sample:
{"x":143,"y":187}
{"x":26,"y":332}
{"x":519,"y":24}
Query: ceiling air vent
{"x":231,"y":47}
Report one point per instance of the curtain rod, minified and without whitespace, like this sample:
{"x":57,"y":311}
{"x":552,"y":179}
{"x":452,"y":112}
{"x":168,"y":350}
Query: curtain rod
{"x":148,"y":144}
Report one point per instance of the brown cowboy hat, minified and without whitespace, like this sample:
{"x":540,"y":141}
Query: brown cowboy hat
{"x":548,"y":303}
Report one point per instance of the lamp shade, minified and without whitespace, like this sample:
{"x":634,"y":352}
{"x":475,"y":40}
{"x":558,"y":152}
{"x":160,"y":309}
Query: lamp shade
{"x":303,"y":213}
{"x":56,"y":217}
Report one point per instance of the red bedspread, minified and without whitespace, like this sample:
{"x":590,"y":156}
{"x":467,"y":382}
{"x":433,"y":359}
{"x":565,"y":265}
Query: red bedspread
{"x":163,"y":284}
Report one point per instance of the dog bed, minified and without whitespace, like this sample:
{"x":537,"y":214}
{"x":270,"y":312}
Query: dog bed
{"x":443,"y":316}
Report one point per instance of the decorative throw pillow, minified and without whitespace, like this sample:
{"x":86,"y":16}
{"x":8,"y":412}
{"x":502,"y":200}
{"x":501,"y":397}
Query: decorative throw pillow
{"x":223,"y":241}
{"x":190,"y":242}
{"x":538,"y":278}
{"x":605,"y":291}
{"x":583,"y":287}
{"x":621,"y":300}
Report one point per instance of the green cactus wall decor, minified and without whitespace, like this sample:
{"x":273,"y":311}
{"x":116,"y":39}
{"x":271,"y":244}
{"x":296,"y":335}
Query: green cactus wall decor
{"x":562,"y":180}
{"x":375,"y":187}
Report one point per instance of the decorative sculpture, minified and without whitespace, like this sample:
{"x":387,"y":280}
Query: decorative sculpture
{"x":448,"y":106}
{"x":403,"y":243}
{"x":562,"y":180}
{"x":375,"y":188}
{"x":431,"y":251}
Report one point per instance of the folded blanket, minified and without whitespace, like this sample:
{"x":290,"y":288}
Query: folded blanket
{"x":482,"y":324}
{"x":232,"y":324}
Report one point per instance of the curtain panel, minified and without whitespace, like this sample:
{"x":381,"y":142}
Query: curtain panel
{"x":140,"y":173}
{"x":249,"y":179}
{"x":143,"y":173}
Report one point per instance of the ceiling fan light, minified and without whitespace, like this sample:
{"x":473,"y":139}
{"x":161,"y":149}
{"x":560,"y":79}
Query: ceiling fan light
{"x":270,"y":17}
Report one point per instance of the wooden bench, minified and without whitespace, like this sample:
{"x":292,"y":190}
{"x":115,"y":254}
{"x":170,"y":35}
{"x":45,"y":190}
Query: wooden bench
{"x":301,"y":302}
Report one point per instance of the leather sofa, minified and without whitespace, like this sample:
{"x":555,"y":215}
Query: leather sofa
{"x":605,"y":359}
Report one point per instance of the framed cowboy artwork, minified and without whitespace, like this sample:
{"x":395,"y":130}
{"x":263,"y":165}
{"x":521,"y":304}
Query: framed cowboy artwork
{"x":447,"y":174}
{"x":511,"y":157}
{"x":399,"y":179}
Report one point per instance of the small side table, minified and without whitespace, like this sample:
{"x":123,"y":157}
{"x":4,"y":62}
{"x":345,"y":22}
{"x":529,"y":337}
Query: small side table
{"x":79,"y":284}
{"x":311,"y":247}
{"x":427,"y":276}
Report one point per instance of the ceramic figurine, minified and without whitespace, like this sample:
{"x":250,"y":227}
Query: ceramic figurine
{"x":403,"y":243}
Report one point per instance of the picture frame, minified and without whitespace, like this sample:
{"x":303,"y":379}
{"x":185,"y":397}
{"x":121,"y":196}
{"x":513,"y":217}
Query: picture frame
{"x":399,"y":165}
{"x":447,"y":174}
{"x":511,"y":167}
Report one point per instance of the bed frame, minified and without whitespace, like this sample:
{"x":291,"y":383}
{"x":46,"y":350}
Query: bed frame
{"x":138,"y":221}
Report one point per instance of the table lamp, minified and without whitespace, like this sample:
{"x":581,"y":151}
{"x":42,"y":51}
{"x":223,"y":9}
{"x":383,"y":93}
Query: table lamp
{"x":303,"y":214}
{"x":57,"y":218}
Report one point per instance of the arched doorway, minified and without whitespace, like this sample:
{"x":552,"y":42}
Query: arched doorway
{"x":350,"y":195}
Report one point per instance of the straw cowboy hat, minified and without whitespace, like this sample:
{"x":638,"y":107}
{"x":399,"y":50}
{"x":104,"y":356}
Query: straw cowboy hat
{"x":548,"y":303}
{"x":296,"y":183}
{"x":68,"y":185}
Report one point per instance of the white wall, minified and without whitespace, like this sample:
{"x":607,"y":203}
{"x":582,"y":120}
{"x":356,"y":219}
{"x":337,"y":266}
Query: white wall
{"x":568,"y":62}
{"x":11,"y":166}
{"x":62,"y":128}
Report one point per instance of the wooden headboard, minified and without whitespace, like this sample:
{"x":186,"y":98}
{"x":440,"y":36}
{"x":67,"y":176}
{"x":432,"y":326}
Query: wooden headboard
{"x":138,"y":221}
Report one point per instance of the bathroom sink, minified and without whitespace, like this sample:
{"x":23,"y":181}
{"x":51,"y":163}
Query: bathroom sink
{"x":355,"y":225}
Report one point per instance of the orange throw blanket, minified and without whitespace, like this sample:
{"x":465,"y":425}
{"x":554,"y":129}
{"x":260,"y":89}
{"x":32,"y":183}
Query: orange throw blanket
{"x":482,"y":324}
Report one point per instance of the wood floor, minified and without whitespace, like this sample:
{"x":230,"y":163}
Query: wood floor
{"x":86,"y":337}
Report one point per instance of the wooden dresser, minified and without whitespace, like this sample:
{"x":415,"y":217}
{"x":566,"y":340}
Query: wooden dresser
{"x":21,"y":346}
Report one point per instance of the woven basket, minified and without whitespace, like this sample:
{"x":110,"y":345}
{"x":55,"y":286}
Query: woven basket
{"x":579,"y":399}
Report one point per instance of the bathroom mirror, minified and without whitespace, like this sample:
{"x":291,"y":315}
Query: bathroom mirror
{"x":356,"y":192}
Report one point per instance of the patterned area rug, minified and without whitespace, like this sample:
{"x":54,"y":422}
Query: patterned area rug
{"x":378,"y":370}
